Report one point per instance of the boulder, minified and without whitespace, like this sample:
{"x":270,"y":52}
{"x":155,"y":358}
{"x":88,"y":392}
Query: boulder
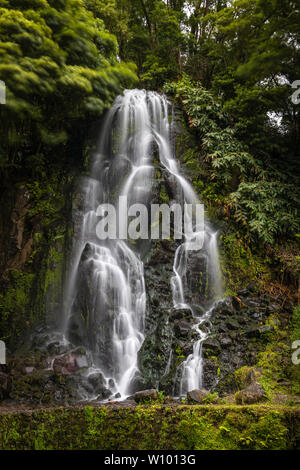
{"x":254,"y":393}
{"x":198,"y":395}
{"x":145,"y":395}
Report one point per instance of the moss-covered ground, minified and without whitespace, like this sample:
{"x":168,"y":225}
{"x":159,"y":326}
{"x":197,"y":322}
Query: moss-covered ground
{"x":152,"y":427}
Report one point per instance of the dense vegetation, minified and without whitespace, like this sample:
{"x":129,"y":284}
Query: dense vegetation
{"x":60,"y":63}
{"x":60,"y":67}
{"x":152,"y":427}
{"x":231,"y":67}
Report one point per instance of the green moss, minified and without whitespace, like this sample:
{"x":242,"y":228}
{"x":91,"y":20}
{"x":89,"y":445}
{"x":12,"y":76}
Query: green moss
{"x":39,"y":280}
{"x":240,"y":265}
{"x":211,"y":398}
{"x":295,"y":324}
{"x":14,"y":303}
{"x":243,"y":377}
{"x":154,"y":427}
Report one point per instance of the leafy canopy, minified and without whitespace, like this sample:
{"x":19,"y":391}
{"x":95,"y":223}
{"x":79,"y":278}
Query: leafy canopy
{"x":60,"y":67}
{"x":263,"y":202}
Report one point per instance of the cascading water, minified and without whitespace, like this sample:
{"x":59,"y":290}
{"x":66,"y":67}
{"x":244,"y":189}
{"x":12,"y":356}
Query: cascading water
{"x":105,"y":298}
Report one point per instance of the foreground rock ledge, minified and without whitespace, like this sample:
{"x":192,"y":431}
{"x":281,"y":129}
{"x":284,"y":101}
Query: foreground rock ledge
{"x":152,"y":427}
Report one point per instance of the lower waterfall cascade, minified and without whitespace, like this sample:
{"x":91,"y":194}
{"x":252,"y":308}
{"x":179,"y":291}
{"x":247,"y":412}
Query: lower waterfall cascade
{"x":109,"y":322}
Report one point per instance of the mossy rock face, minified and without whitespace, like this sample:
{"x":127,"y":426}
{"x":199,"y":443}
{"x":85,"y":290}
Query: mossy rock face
{"x":155,"y":427}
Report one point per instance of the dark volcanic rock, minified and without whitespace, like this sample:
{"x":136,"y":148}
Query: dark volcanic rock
{"x":181,"y":314}
{"x":97,"y":382}
{"x":259,"y":330}
{"x":225,"y":341}
{"x":182,"y":328}
{"x":211,"y":345}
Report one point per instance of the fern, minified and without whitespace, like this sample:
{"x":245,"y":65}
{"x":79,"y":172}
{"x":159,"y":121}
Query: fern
{"x":264,"y":203}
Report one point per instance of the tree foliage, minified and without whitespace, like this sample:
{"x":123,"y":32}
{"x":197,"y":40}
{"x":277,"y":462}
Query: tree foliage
{"x":62,"y":62}
{"x":60,"y":68}
{"x":263,"y":202}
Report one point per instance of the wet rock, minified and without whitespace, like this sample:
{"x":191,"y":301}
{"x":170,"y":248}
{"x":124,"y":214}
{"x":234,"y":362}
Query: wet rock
{"x":145,"y":395}
{"x":78,"y":387}
{"x":212,"y":346}
{"x":181,"y":328}
{"x":199,"y":310}
{"x":155,"y":353}
{"x":55,"y":348}
{"x":197,"y":395}
{"x":81,"y":362}
{"x":181,"y":313}
{"x":65,"y":365}
{"x":251,"y":287}
{"x":197,"y":275}
{"x":254,"y":393}
{"x":111,"y":383}
{"x":97,"y":381}
{"x":226,"y":307}
{"x":225,"y":341}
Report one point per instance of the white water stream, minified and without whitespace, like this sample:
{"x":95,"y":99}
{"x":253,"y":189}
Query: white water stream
{"x":137,"y":126}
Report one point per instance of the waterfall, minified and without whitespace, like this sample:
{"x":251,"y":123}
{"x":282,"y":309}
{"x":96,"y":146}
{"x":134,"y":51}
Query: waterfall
{"x":105,"y":299}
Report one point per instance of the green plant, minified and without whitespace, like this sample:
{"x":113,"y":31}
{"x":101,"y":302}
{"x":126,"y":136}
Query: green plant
{"x":262,"y":201}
